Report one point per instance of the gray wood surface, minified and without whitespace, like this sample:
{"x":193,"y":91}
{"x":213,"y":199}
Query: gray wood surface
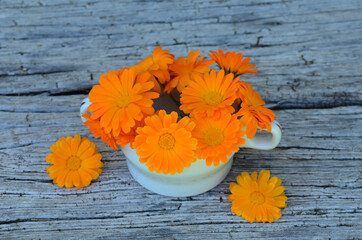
{"x":309,"y":57}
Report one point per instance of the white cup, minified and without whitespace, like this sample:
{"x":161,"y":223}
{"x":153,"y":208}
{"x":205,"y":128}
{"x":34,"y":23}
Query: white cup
{"x":196,"y":179}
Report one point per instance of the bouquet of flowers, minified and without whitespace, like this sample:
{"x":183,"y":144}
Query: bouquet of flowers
{"x":216,"y":110}
{"x":214,"y":113}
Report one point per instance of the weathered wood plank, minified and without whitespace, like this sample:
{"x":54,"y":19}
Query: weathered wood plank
{"x":48,"y":83}
{"x":309,"y":56}
{"x":41,"y":103}
{"x":318,"y":159}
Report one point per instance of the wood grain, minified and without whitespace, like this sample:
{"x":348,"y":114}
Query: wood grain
{"x":309,"y":57}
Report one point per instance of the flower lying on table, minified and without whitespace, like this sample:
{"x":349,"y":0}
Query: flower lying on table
{"x":215,"y":107}
{"x":75,"y":162}
{"x":257,"y":197}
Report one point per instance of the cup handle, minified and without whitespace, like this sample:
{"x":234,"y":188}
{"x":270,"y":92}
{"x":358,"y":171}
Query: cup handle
{"x":265,"y":142}
{"x":84,"y":108}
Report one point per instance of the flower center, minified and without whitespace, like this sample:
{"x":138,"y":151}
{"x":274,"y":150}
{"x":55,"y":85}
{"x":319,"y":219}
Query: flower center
{"x":212,"y":98}
{"x":257,"y":198}
{"x":73,"y":163}
{"x":214,"y":137}
{"x":166,"y":141}
{"x":123,"y":101}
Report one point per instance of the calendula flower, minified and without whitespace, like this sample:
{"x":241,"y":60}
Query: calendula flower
{"x":125,"y":138}
{"x":210,"y":94}
{"x":157,"y":65}
{"x":75,"y":162}
{"x":121,"y":101}
{"x":257,"y":198}
{"x":95,"y":128}
{"x":165,"y":145}
{"x":184,"y":70}
{"x":252,"y":112}
{"x":233,"y":62}
{"x":217,"y":138}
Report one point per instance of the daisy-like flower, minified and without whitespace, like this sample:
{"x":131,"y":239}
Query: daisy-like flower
{"x":75,"y":162}
{"x":257,"y":197}
{"x":210,"y":94}
{"x":157,"y":65}
{"x":121,"y":101}
{"x":125,"y":138}
{"x":233,"y":62}
{"x":252,"y":112}
{"x":165,"y":145}
{"x":217,"y":138}
{"x":184,"y":70}
{"x":95,"y":128}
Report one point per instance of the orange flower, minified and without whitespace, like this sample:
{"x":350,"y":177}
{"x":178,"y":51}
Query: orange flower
{"x":157,"y":66}
{"x":165,"y":145}
{"x":75,"y":162}
{"x":217,"y":138}
{"x":232,"y":62}
{"x":95,"y":128}
{"x":252,"y":112}
{"x":257,"y":198}
{"x":184,"y":70}
{"x":121,"y":101}
{"x":125,"y":138}
{"x":210,"y":94}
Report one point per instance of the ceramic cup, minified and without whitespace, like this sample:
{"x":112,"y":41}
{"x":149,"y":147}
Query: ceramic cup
{"x":199,"y":177}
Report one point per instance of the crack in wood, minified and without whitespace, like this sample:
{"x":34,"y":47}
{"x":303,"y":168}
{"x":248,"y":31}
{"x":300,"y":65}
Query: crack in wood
{"x":51,"y":93}
{"x":16,"y":146}
{"x":27,"y":180}
{"x":308,"y":148}
{"x":58,"y":219}
{"x":322,"y":104}
{"x":25,"y":73}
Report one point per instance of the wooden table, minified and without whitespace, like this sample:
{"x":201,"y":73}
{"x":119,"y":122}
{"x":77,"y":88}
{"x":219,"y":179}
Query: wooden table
{"x":309,"y":57}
